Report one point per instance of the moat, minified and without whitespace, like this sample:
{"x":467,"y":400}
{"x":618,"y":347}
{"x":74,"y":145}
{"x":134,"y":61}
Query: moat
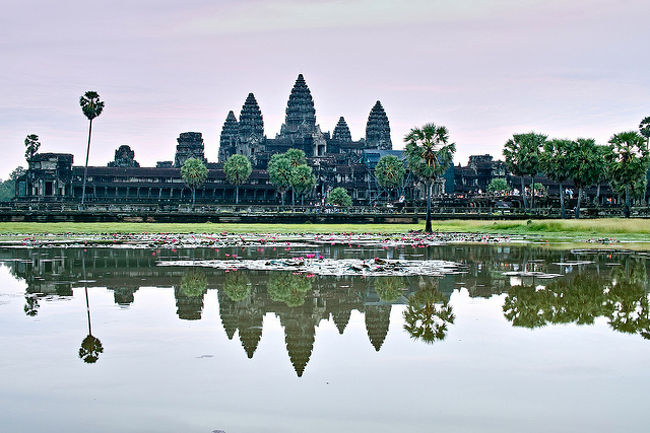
{"x":167,"y":338}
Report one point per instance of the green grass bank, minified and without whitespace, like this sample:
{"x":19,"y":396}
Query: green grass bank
{"x":632,"y":229}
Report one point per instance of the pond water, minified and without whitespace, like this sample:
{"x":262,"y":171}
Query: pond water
{"x":513,"y":338}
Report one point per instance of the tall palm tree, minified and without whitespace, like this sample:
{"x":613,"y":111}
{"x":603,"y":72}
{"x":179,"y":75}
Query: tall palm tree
{"x":429,"y":154}
{"x":522,"y":159}
{"x":92,"y":107}
{"x":628,"y":163}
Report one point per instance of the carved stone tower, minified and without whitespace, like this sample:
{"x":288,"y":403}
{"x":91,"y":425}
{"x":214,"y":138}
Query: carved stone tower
{"x":300,"y":113}
{"x":190,"y":145}
{"x":229,"y":141}
{"x":251,"y":128}
{"x":342,"y":132}
{"x":378,"y":129}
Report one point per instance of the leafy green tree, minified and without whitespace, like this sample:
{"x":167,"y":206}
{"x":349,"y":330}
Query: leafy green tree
{"x":92,"y":107}
{"x":194,"y":174}
{"x":31,"y":146}
{"x":194,"y":283}
{"x":628,"y":163}
{"x":280,"y":171}
{"x":296,"y":157}
{"x":390,"y":172}
{"x":522,"y":158}
{"x":339,"y":197}
{"x":302,"y":180}
{"x":238,"y":168}
{"x":288,"y":288}
{"x":555,"y":161}
{"x":8,"y":187}
{"x":429,"y":154}
{"x":587,"y":163}
{"x":237,"y":286}
{"x":389,"y":289}
{"x":498,"y":185}
{"x":16,"y":173}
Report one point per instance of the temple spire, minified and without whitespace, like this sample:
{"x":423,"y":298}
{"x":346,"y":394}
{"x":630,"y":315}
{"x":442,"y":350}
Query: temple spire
{"x":378,"y":129}
{"x":342,"y":132}
{"x":300,"y":112}
{"x":229,"y":137}
{"x":251,"y":123}
{"x":377,"y":324}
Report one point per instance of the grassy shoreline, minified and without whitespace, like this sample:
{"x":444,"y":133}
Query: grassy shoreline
{"x":630,"y":229}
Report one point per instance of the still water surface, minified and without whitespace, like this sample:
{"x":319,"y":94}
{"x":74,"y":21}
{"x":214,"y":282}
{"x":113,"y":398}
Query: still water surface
{"x":186,"y":349}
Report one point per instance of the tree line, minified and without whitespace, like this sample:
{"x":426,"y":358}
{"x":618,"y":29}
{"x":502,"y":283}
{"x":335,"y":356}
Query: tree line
{"x":622,"y":163}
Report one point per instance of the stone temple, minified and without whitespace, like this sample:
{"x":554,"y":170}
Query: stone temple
{"x":300,"y":130}
{"x":336,"y":159}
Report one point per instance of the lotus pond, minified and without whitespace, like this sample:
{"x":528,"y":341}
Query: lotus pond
{"x":322,"y":335}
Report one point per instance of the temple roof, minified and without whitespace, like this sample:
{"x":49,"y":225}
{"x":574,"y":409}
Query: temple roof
{"x":230,"y":126}
{"x":251,"y":122}
{"x":342,"y":132}
{"x":378,"y":128}
{"x":300,"y":112}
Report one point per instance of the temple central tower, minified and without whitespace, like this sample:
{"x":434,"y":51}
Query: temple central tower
{"x":300,"y":113}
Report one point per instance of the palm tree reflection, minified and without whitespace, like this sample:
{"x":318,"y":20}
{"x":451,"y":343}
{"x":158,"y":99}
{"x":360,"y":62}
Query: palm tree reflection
{"x":31,"y":305}
{"x":91,"y":347}
{"x":581,"y":300}
{"x":427,"y":315}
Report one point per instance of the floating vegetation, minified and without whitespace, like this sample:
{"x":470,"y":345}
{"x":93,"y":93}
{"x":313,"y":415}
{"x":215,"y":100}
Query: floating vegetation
{"x":322,"y":266}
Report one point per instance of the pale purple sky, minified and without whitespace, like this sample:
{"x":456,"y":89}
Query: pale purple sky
{"x":485,"y":69}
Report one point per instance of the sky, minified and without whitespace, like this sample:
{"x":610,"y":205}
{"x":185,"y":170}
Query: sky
{"x":484,"y":69}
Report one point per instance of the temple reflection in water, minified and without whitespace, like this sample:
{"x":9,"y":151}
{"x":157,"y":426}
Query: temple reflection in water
{"x":618,"y":293}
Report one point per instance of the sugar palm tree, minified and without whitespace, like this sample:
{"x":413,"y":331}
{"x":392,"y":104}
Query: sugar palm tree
{"x":429,"y":154}
{"x":92,"y":107}
{"x":522,"y":159}
{"x":555,"y":161}
{"x":628,"y":163}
